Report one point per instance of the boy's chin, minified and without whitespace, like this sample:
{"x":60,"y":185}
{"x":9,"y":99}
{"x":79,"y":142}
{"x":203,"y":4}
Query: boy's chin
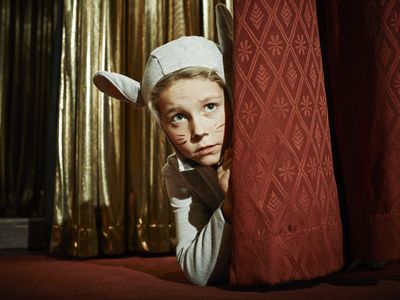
{"x":208,"y":161}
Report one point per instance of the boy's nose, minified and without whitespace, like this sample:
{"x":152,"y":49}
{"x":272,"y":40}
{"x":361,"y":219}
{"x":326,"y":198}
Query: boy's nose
{"x":199,"y":129}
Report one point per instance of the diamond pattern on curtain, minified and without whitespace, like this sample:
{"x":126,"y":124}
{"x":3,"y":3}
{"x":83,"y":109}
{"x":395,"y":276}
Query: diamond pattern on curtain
{"x":286,"y":215}
{"x":363,"y":47}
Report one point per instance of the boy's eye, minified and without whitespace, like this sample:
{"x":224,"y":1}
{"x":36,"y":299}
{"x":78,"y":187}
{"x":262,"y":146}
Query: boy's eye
{"x":178,"y":118}
{"x":210,"y":107}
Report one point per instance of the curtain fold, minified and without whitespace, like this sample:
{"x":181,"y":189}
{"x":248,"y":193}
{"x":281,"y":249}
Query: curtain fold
{"x":288,"y":185}
{"x":286,"y":218}
{"x":28,"y":38}
{"x":363,"y":64}
{"x":89,"y":210}
{"x":152,"y":221}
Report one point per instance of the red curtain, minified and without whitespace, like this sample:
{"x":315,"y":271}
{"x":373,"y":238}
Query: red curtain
{"x":287,"y":221}
{"x":363,"y":66}
{"x":286,"y":213}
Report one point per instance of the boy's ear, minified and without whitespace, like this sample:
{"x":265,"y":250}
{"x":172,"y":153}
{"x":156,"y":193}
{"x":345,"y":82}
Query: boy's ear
{"x":120,"y":87}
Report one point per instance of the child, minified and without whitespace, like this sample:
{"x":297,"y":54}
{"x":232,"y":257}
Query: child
{"x":184,"y":86}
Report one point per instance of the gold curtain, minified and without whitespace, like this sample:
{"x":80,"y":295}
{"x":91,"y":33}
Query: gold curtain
{"x":90,"y":175}
{"x":109,"y":194}
{"x":27,"y":79}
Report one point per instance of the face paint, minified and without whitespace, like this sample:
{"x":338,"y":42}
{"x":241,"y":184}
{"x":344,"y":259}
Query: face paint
{"x":180,"y":139}
{"x":192,"y":113}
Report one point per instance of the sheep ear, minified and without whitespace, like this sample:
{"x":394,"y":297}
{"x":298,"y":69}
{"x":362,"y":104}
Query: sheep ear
{"x":120,"y":87}
{"x":224,"y":27}
{"x":225,"y":38}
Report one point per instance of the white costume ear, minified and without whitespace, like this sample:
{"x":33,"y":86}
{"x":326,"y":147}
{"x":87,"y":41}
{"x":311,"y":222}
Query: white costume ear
{"x":224,"y":27}
{"x":225,"y":38}
{"x":120,"y":87}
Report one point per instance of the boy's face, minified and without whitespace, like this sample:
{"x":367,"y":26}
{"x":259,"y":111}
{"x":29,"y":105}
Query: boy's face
{"x":192,"y":113}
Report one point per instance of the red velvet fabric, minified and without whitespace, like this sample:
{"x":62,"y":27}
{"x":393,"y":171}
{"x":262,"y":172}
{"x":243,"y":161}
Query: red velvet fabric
{"x":40,"y":277}
{"x":286,"y":216}
{"x":363,"y":47}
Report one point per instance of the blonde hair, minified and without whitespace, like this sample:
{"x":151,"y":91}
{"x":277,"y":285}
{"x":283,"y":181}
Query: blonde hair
{"x":186,"y":73}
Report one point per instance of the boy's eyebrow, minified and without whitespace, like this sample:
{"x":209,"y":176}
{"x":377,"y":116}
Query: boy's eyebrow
{"x":210,"y":98}
{"x":179,"y":107}
{"x":169,"y":111}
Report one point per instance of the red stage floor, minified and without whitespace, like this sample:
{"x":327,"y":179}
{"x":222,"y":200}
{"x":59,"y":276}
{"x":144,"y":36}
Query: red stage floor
{"x":38,"y":276}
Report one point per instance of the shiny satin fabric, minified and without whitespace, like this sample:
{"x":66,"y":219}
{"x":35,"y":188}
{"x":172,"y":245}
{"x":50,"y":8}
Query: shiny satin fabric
{"x":109,"y":191}
{"x":89,"y":196}
{"x":5,"y":21}
{"x":27,"y":39}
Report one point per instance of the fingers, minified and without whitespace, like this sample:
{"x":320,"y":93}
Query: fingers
{"x":220,"y":172}
{"x":224,"y":171}
{"x":227,"y":162}
{"x":223,"y":179}
{"x":226,"y":166}
{"x":228,"y":153}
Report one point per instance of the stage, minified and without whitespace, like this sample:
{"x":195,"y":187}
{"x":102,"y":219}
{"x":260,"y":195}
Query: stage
{"x":30,"y":275}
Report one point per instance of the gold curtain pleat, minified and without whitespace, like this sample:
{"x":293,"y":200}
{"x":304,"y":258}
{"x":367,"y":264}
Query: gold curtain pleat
{"x":89,"y":212}
{"x":4,"y":79}
{"x":27,"y":38}
{"x":112,"y":137}
{"x":110,"y":195}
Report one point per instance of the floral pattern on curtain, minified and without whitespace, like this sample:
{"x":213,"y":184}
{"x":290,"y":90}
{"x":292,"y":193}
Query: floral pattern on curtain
{"x":286,"y":217}
{"x":363,"y":64}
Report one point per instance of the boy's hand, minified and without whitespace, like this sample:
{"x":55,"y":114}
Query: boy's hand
{"x":224,"y":172}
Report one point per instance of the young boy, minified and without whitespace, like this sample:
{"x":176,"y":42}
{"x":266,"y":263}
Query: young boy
{"x":184,"y":86}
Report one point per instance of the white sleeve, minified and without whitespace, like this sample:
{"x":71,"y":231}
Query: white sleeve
{"x":204,"y":238}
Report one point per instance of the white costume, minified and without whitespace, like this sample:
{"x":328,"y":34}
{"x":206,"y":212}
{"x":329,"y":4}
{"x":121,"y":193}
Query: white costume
{"x":204,"y":238}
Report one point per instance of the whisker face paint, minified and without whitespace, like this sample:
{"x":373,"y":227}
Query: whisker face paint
{"x":193,"y":114}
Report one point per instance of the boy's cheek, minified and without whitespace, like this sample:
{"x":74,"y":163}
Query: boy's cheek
{"x":178,"y":138}
{"x":173,"y":132}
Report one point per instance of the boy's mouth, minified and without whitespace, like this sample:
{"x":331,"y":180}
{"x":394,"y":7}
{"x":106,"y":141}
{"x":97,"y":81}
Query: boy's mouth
{"x":206,"y":150}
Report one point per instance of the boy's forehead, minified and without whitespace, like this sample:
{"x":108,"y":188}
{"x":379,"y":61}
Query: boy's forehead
{"x":186,"y":92}
{"x":194,"y":88}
